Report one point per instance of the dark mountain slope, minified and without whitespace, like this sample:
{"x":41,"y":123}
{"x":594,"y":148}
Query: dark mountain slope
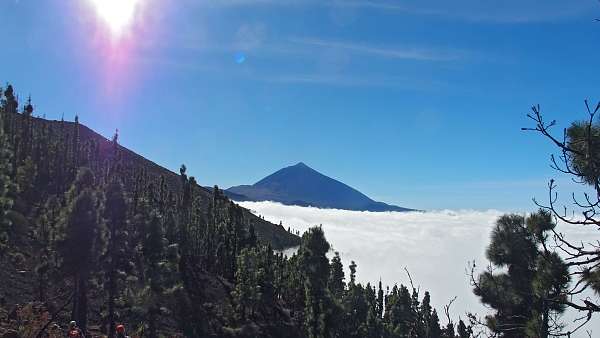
{"x":266,"y":231}
{"x":170,"y":232}
{"x":301,"y":185}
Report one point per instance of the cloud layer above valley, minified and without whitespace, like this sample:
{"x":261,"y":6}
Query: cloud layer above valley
{"x":436,"y":246}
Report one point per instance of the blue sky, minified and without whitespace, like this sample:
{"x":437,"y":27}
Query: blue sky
{"x":412,"y":102}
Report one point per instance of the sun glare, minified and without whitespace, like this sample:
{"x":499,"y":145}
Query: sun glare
{"x":118,"y":14}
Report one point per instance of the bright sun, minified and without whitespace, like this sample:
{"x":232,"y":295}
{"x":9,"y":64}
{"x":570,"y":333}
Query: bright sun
{"x":117,"y":13}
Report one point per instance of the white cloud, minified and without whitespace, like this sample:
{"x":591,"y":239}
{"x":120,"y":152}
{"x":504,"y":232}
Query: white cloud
{"x":490,"y":11}
{"x":434,"y":246}
{"x":354,"y":80}
{"x":407,"y":53}
{"x":486,"y":11}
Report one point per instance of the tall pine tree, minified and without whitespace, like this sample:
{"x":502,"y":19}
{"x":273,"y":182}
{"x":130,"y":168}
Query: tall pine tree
{"x":314,"y":265}
{"x":116,"y":262}
{"x":533,"y":285}
{"x":6,"y":182}
{"x":153,"y":249}
{"x":81,"y":244}
{"x":336,"y":282}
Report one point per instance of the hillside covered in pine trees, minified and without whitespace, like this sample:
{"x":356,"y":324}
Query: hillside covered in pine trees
{"x":92,"y":232}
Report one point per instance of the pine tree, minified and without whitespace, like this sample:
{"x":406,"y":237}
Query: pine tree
{"x":45,"y":236}
{"x":426,"y":314}
{"x":26,"y":138}
{"x":81,"y":243}
{"x":117,"y":254}
{"x":26,"y":178}
{"x":293,"y":291}
{"x":380,"y":298}
{"x":6,"y":183}
{"x":371,"y":326}
{"x":352,"y":268}
{"x":398,"y":311}
{"x":356,"y":307}
{"x":463,"y":330}
{"x":10,"y":107}
{"x":448,"y":331}
{"x":266,"y":278}
{"x":252,"y":240}
{"x":336,"y":282}
{"x":153,"y":249}
{"x":245,"y":294}
{"x":9,"y":102}
{"x":315,"y":268}
{"x":417,"y":326}
{"x":534,"y":284}
{"x":435,"y":331}
{"x":171,"y":227}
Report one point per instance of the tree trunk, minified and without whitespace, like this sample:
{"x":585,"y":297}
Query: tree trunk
{"x":112,"y":286}
{"x":41,"y":287}
{"x":75,"y":308}
{"x":152,"y":323}
{"x":545,"y":324}
{"x":111,"y":305}
{"x":81,"y":301}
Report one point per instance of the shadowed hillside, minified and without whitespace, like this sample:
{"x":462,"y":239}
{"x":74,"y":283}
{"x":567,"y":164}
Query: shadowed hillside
{"x":266,"y":231}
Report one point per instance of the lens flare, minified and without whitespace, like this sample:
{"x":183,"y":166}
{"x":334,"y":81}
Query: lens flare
{"x":118,"y":14}
{"x":240,"y":58}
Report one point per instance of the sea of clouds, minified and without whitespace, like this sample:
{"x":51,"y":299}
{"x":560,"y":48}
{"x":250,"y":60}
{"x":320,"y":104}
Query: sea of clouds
{"x":436,"y":247}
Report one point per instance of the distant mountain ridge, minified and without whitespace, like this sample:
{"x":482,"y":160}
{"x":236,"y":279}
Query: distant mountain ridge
{"x":301,"y":185}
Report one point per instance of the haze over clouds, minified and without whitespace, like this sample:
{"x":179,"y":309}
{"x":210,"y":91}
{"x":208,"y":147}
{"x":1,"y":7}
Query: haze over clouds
{"x":435,"y":246}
